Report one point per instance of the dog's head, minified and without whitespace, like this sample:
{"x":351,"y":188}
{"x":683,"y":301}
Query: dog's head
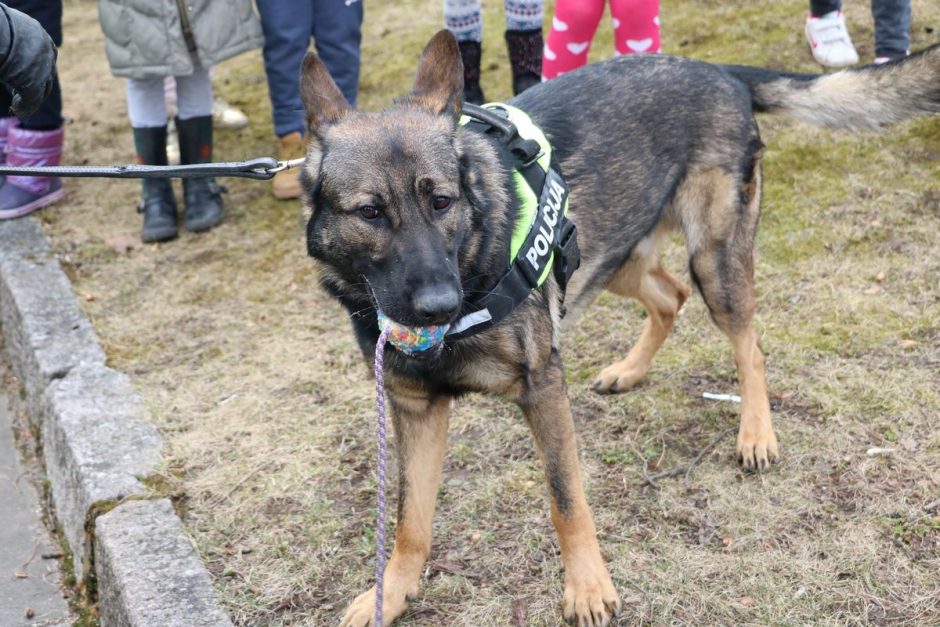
{"x":389,"y":212}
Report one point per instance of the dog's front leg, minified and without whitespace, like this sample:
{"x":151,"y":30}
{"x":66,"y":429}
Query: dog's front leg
{"x":590,"y":597}
{"x":421,"y":441}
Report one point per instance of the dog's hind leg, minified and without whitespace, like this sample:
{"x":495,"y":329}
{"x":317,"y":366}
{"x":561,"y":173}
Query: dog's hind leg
{"x":720,"y":239}
{"x":421,"y":442}
{"x":590,"y":598}
{"x":662,"y":294}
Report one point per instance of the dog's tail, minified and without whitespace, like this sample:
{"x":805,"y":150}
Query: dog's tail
{"x":864,"y":98}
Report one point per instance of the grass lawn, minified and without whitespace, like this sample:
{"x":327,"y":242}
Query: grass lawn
{"x":266,"y":406}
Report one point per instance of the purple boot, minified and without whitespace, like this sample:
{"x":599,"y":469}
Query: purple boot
{"x":5,"y":125}
{"x":24,"y":194}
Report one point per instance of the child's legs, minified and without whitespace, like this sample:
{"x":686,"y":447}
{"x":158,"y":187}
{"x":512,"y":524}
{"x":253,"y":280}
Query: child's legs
{"x":337,"y":35}
{"x":636,"y":25}
{"x":892,"y":27}
{"x":524,"y":14}
{"x":569,"y":41}
{"x":462,"y":18}
{"x":146,"y":106}
{"x":194,"y":93}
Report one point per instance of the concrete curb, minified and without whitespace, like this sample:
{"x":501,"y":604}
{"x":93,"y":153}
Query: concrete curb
{"x":146,"y":596}
{"x":98,"y":445}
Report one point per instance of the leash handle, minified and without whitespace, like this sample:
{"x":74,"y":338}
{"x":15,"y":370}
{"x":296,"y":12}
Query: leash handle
{"x":261,"y":168}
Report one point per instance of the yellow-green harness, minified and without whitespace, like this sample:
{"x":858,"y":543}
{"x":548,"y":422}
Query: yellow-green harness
{"x":543,"y":239}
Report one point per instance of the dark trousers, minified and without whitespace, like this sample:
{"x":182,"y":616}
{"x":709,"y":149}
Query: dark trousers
{"x":892,"y":23}
{"x":49,"y":116}
{"x":288,"y":25}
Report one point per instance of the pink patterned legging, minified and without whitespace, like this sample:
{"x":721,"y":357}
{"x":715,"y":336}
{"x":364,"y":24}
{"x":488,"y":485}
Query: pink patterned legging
{"x":636,"y":29}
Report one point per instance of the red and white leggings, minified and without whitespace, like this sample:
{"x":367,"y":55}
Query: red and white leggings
{"x":636,"y":29}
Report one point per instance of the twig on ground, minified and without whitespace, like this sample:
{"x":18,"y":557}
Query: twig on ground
{"x":241,"y":482}
{"x":16,"y":482}
{"x":646,"y":475}
{"x":21,"y":571}
{"x":687,"y":469}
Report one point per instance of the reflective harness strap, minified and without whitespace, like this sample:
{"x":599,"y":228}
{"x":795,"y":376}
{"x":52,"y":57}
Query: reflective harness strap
{"x":543,"y":239}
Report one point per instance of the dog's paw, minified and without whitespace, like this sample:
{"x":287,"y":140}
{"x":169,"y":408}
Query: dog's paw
{"x":617,"y":378}
{"x":590,"y":602}
{"x":757,"y":448}
{"x":361,"y":611}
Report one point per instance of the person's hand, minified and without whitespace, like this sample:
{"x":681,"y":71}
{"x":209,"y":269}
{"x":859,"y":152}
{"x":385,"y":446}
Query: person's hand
{"x":28,"y":65}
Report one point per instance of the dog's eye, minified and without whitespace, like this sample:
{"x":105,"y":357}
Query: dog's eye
{"x":441,"y":203}
{"x":369,"y":212}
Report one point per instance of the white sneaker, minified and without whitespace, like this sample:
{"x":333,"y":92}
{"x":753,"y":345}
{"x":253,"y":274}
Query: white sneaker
{"x":829,"y":40}
{"x":883,"y":60}
{"x":225,"y":115}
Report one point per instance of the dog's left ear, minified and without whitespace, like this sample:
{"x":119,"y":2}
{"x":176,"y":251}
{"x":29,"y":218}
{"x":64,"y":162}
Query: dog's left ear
{"x":439,"y":83}
{"x":323,"y":101}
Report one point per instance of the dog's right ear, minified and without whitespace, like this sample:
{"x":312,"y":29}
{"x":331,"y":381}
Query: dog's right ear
{"x":439,"y":83}
{"x":323,"y":101}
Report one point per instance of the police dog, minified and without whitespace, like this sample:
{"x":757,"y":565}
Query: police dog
{"x":413,"y":213}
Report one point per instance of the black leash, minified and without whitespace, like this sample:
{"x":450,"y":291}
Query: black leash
{"x":262,"y":168}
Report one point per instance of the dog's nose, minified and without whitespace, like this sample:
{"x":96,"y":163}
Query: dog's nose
{"x":435,"y":304}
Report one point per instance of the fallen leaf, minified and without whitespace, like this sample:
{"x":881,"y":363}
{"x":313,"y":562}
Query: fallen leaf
{"x":123,"y":243}
{"x":908,"y":443}
{"x":452,"y":567}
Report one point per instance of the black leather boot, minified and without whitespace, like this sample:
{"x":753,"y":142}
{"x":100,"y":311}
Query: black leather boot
{"x":201,"y":196}
{"x":470,"y":53}
{"x":157,"y":203}
{"x":525,"y":58}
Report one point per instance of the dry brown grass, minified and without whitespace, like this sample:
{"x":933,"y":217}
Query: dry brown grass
{"x":265,"y":404}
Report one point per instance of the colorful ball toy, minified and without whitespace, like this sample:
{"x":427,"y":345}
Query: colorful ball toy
{"x":412,"y":339}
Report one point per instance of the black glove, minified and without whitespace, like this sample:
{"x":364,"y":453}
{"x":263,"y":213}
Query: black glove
{"x":28,"y":65}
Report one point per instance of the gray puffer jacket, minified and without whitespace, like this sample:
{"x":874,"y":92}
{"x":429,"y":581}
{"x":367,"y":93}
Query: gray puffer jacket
{"x":153,"y":38}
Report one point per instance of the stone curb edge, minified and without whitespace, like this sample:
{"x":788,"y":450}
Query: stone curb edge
{"x":99,"y":445}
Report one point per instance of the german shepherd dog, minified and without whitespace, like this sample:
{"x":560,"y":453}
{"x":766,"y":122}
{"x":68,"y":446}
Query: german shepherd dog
{"x":412,"y":213}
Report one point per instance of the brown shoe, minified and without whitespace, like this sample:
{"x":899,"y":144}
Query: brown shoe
{"x":286,"y":182}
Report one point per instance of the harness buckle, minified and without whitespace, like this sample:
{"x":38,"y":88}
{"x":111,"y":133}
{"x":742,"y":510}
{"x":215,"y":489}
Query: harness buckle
{"x":528,"y":150}
{"x":534,"y":158}
{"x":567,"y":254}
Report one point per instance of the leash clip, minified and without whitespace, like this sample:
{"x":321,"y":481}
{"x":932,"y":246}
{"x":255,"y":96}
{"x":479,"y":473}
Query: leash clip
{"x":280,"y":166}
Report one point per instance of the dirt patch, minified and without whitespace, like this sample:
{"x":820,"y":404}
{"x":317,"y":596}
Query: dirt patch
{"x":256,"y":383}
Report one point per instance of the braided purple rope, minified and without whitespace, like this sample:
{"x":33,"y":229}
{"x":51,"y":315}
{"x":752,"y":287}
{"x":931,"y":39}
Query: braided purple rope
{"x":380,"y":489}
